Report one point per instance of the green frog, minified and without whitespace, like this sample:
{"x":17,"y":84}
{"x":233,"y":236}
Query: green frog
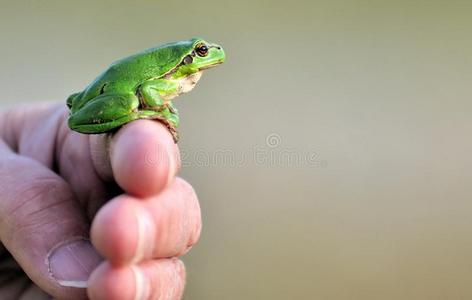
{"x":142,"y":86}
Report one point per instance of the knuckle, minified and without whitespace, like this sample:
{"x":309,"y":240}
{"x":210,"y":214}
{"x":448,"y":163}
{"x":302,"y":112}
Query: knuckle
{"x":190,"y":217}
{"x":185,"y":187}
{"x":169,"y":280}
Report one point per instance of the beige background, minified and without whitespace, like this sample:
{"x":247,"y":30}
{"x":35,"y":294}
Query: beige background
{"x":331,"y":153}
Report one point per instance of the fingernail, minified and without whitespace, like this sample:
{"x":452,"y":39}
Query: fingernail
{"x":146,"y":234}
{"x":172,"y":166}
{"x":142,"y":287}
{"x":72,"y":262}
{"x":100,"y":150}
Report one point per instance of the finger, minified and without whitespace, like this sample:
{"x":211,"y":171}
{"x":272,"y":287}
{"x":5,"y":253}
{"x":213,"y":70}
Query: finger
{"x":162,"y":279}
{"x":42,"y":226}
{"x":144,"y":158}
{"x":128,"y":229}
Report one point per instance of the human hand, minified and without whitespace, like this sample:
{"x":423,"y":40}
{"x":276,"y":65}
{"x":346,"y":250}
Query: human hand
{"x":55,"y":193}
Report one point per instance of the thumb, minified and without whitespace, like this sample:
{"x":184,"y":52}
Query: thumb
{"x":43,"y":227}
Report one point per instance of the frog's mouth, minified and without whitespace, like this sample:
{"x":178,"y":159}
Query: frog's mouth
{"x":219,"y":62}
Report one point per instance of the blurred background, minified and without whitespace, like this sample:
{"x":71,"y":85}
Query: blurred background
{"x":331,"y":152}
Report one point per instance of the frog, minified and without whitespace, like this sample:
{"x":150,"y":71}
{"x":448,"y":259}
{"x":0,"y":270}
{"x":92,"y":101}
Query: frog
{"x":142,"y":86}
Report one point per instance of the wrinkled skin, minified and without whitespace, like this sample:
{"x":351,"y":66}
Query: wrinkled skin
{"x":59,"y":186}
{"x":142,"y":86}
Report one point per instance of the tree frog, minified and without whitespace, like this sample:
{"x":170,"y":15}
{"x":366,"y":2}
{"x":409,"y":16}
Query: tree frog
{"x":142,"y":86}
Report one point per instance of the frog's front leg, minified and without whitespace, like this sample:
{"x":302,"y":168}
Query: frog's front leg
{"x":171,"y":120}
{"x":173,"y":114}
{"x":155,"y":94}
{"x":169,"y":117}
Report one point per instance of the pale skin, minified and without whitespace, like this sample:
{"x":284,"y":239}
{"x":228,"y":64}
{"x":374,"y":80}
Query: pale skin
{"x":61,"y":187}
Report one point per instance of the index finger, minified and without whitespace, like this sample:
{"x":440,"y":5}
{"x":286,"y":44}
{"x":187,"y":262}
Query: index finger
{"x":143,"y":158}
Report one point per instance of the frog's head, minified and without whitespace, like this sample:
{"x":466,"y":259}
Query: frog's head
{"x":205,"y":55}
{"x":199,"y":55}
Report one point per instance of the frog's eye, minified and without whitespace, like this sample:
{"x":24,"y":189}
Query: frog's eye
{"x":202,"y":50}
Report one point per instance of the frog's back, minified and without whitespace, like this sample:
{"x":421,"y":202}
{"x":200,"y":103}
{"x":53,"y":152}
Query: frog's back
{"x":127,"y":74}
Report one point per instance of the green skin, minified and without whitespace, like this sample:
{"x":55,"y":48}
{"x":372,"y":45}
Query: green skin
{"x":142,"y":86}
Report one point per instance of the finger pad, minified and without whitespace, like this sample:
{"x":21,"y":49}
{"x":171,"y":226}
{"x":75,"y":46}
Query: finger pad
{"x":107,"y":282}
{"x":143,"y":158}
{"x":114,"y":230}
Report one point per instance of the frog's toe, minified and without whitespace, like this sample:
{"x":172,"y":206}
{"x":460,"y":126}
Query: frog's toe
{"x":100,"y":126}
{"x":70,"y":100}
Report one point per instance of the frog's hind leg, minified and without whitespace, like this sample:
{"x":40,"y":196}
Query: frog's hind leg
{"x":105,"y":113}
{"x":110,"y":111}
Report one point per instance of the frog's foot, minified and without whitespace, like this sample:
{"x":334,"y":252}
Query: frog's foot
{"x":172,"y":129}
{"x":167,"y":117}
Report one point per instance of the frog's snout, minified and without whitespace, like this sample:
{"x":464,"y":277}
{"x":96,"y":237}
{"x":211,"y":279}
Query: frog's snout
{"x":220,"y":53}
{"x":218,"y":47}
